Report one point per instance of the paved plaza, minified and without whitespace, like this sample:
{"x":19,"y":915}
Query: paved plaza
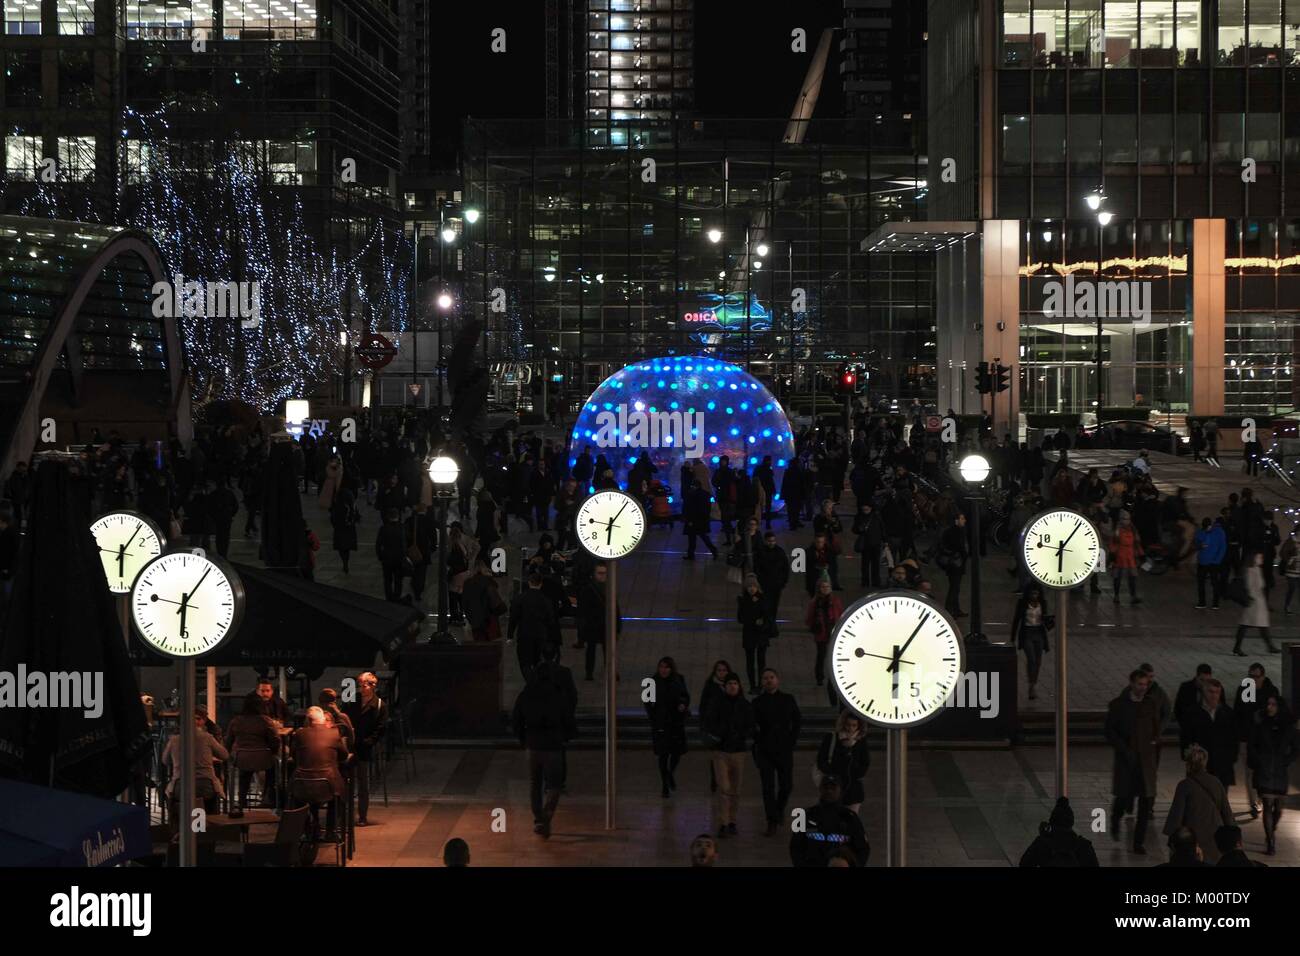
{"x":968,"y":806}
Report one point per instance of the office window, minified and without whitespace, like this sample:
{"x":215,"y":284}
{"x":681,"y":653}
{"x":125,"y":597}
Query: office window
{"x":1159,"y":33}
{"x":173,"y":20}
{"x":22,"y":78}
{"x":1121,"y":33}
{"x":76,"y":79}
{"x":1264,"y":23}
{"x":1086,"y":35}
{"x":135,"y":162}
{"x":76,"y":158}
{"x":258,"y":20}
{"x":1018,"y":41}
{"x":1050,"y":26}
{"x":22,"y":17}
{"x":1049,"y":142}
{"x":1015,"y":141}
{"x":1291,"y":33}
{"x":1262,"y":135}
{"x":1189,"y":143}
{"x":1232,"y":32}
{"x":1119,"y":138}
{"x":77,"y":17}
{"x":22,"y":157}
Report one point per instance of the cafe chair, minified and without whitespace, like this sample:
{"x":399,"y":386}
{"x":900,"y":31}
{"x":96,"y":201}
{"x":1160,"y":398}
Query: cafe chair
{"x":286,"y":849}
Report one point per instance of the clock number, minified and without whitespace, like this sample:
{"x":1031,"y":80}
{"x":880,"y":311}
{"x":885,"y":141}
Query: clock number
{"x":916,"y":689}
{"x":1047,"y":539}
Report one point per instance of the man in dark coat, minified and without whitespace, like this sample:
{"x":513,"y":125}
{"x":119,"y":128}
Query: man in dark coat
{"x":390,"y":548}
{"x":1251,"y":696}
{"x":952,"y":558}
{"x":776,"y":732}
{"x":421,"y":533}
{"x":532,"y":624}
{"x":728,"y":727}
{"x":870,"y":541}
{"x":772,"y":568}
{"x":1133,"y":730}
{"x":1057,"y":844}
{"x":1213,"y":727}
{"x":697,"y":514}
{"x":1231,"y":853}
{"x":1188,"y":697}
{"x":543,"y":723}
{"x":591,"y":616}
{"x":831,"y":831}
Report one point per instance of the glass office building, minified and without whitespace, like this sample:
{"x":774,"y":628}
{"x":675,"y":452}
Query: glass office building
{"x":1150,"y":147}
{"x":724,"y":240}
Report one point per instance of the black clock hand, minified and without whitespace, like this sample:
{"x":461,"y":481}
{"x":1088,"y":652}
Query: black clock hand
{"x":184,"y":597}
{"x":861,"y":653}
{"x":620,"y":511}
{"x":609,"y":532}
{"x":154,"y":597}
{"x":1072,"y":534}
{"x":899,"y":652}
{"x":894,"y":667}
{"x":121,"y":557}
{"x":206,"y":572}
{"x":133,"y":534}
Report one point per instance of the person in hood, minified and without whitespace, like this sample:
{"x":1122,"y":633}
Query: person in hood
{"x":1227,"y":839}
{"x":831,"y":831}
{"x":1057,"y":844}
{"x":843,"y":754}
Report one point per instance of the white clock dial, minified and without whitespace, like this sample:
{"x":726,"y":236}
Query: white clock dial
{"x":127,"y":542}
{"x":1060,"y":548}
{"x":895,"y":658}
{"x":610,"y":524}
{"x":186,"y":605}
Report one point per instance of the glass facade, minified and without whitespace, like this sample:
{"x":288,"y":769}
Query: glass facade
{"x":733,"y":243}
{"x":1172,"y":110}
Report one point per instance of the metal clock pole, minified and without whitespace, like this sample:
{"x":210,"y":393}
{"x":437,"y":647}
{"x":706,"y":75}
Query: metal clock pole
{"x":896,"y":797}
{"x":611,"y":689}
{"x":1062,"y":710}
{"x":188,"y":849}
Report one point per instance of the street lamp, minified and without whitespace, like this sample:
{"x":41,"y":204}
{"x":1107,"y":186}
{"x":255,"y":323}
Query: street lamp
{"x":715,"y":236}
{"x":471,"y":216}
{"x":761,"y":249}
{"x":974,"y":470}
{"x":443,"y":472}
{"x":1094,"y":199}
{"x":448,"y":234}
{"x":444,"y":301}
{"x":1104,"y":217}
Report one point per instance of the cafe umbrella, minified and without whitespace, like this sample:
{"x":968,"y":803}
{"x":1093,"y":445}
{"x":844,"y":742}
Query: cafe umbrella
{"x":44,"y":827}
{"x":63,"y":632}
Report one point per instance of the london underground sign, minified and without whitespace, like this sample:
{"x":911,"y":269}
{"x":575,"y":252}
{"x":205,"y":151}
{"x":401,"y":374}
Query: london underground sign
{"x":375,"y":351}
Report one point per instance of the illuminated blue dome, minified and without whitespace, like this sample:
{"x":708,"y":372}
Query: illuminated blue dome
{"x":679,"y":409}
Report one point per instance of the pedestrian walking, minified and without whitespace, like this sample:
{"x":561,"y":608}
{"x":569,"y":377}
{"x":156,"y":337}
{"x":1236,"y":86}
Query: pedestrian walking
{"x":1270,"y":753}
{"x":1251,"y":695}
{"x":390,"y":548}
{"x":1029,"y":627}
{"x":697,"y":514}
{"x":869,"y":542}
{"x":1255,"y":613}
{"x":422,"y":540}
{"x":755,"y":628}
{"x":532,"y":623}
{"x":832,"y":833}
{"x":772,"y":567}
{"x":776,"y":732}
{"x":843,"y":754}
{"x":544,"y":724}
{"x":951,"y":558}
{"x":1211,"y":546}
{"x":482,"y":604}
{"x":1200,"y":804}
{"x":1212,"y":727}
{"x":728,"y":727}
{"x":713,"y":690}
{"x":1125,"y":551}
{"x":591,"y":618}
{"x":369,"y":716}
{"x":821,"y":615}
{"x":1133,"y":732}
{"x":668,"y":707}
{"x":343,"y":520}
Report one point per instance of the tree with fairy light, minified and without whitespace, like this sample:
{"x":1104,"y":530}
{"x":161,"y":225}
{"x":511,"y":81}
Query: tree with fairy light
{"x":225,"y":213}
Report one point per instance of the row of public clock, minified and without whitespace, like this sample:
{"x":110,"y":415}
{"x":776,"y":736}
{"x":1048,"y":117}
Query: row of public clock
{"x":183,"y":603}
{"x":896,"y":656}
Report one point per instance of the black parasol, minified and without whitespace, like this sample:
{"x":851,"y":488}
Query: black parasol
{"x":62,"y":620}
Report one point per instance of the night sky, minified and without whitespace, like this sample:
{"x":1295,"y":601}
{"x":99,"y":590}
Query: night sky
{"x":743,"y":63}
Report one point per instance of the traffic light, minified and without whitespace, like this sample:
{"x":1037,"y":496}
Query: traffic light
{"x":848,"y":379}
{"x":983,"y":381}
{"x":1003,"y":378}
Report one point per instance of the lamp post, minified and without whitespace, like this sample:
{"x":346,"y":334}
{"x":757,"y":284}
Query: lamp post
{"x":974,"y":470}
{"x":443,"y":472}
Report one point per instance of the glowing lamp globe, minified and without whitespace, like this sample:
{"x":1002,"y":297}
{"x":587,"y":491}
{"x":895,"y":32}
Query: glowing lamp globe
{"x":680,"y":410}
{"x":974,"y":468}
{"x":444,"y":470}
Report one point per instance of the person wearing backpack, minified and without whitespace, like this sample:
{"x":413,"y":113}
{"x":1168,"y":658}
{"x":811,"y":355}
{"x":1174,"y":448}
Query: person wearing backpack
{"x":1057,"y":844}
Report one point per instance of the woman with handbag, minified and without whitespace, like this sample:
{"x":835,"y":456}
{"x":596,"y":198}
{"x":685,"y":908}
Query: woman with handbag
{"x":756,"y":629}
{"x":823,"y":611}
{"x":1029,"y":629}
{"x":1271,"y":750}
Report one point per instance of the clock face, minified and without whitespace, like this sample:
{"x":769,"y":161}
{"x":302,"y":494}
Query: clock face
{"x":185,"y":605}
{"x":895,"y":658}
{"x":127,"y":542}
{"x":610,"y":524}
{"x":1060,"y":548}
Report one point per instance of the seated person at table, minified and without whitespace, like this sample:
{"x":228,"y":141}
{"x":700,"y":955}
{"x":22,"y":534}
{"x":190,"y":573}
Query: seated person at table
{"x":319,"y":756}
{"x":207,"y":782}
{"x":269,"y":703}
{"x":253,"y":743}
{"x":329,"y":702}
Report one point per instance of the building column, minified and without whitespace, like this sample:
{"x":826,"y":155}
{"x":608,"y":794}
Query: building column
{"x":1001,"y":316}
{"x":1121,"y":375}
{"x":1208,"y":316}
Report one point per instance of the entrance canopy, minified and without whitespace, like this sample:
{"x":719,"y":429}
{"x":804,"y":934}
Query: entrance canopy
{"x":918,"y":236}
